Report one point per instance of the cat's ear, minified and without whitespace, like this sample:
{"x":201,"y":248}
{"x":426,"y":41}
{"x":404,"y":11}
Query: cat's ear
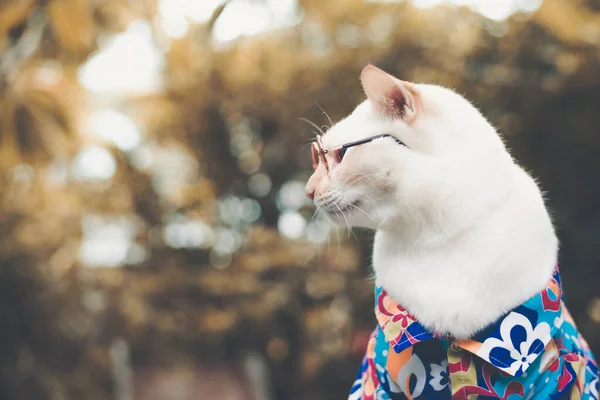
{"x":390,"y":96}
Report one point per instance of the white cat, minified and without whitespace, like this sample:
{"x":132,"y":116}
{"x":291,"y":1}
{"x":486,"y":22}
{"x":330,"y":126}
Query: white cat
{"x":463,"y":235}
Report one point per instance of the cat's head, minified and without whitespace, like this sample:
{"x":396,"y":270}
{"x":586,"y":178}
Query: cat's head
{"x":450,"y":162}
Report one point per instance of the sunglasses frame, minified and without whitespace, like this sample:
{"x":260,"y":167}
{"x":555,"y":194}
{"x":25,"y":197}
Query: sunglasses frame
{"x":317,"y":146}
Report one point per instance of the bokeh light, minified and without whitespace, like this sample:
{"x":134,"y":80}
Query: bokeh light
{"x":115,"y":127}
{"x":291,"y":224}
{"x":93,"y":163}
{"x":128,"y":63}
{"x":107,"y":241}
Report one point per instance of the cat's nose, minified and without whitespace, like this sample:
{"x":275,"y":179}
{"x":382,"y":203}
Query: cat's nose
{"x":316,"y":185}
{"x":313,"y":183}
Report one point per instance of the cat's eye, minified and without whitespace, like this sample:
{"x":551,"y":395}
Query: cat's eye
{"x":340,"y":154}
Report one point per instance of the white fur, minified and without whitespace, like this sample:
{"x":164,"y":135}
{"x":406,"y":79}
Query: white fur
{"x":463,"y":235}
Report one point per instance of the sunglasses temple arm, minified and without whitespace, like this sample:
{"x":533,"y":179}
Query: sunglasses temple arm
{"x":335,"y":148}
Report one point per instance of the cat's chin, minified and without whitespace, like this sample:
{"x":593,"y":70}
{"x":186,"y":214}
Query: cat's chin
{"x":340,"y":212}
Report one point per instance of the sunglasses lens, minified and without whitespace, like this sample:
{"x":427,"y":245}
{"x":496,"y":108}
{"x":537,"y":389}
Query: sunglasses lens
{"x":315,"y":156}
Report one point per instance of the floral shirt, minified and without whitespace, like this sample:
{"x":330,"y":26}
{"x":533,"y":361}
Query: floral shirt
{"x":533,"y":352}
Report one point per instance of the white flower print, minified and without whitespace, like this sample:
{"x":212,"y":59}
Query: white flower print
{"x":439,"y":376}
{"x":413,"y":367}
{"x":558,"y":321}
{"x":519,"y":345}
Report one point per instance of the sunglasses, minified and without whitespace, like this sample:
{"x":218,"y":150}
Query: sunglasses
{"x":318,"y":152}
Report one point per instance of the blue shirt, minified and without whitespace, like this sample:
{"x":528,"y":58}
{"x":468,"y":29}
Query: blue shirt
{"x":533,"y":352}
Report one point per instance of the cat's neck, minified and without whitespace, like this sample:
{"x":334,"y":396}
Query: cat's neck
{"x":457,"y":279}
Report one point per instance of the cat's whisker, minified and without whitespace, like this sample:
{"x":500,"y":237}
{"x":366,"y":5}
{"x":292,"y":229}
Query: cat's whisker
{"x":350,"y":231}
{"x":345,"y":184}
{"x":315,"y":214}
{"x":354,"y":234}
{"x":327,"y":115}
{"x":363,"y":194}
{"x":329,"y":240}
{"x":312,"y":124}
{"x":360,"y":193}
{"x":349,"y":186}
{"x":346,"y":181}
{"x":361,"y":177}
{"x":359,"y":174}
{"x":360,"y":209}
{"x":343,"y":215}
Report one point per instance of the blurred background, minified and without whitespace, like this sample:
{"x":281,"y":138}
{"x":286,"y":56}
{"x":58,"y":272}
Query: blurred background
{"x":155,"y":240}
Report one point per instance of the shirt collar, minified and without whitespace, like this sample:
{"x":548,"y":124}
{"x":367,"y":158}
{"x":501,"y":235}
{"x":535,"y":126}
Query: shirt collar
{"x":511,"y":344}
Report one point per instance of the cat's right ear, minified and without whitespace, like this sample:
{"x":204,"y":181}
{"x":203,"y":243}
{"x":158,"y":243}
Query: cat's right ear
{"x":390,"y":96}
